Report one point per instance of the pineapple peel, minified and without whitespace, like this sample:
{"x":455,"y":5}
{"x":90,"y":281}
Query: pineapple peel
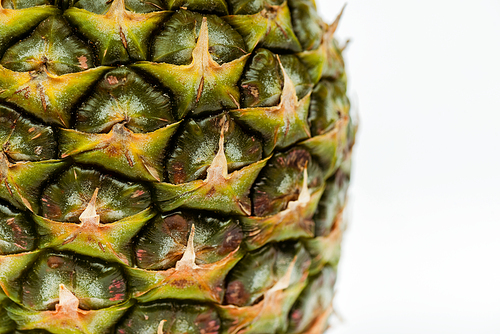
{"x":170,"y":166}
{"x":120,"y":32}
{"x":280,"y":125}
{"x":44,"y":95}
{"x":136,"y":155}
{"x":202,"y":282}
{"x":203,"y":85}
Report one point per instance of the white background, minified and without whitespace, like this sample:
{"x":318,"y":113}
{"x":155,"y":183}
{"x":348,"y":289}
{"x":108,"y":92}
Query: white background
{"x":422,"y":252}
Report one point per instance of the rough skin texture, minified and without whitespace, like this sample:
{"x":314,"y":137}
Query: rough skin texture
{"x":170,"y":166}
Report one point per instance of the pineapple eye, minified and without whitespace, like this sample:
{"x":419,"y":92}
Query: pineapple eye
{"x":123,"y":96}
{"x":163,"y":242}
{"x":96,"y":285}
{"x":198,"y":143}
{"x":178,"y":38}
{"x":66,"y":199}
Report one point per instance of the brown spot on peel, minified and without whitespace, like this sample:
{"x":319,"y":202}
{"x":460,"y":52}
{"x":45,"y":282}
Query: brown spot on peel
{"x":123,"y":38}
{"x":83,"y":62}
{"x":112,"y":80}
{"x":54,"y":262}
{"x":200,"y":89}
{"x":236,"y":293}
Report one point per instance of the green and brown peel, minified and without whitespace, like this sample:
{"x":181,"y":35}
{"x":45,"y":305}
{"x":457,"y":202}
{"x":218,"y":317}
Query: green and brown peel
{"x":170,"y":166}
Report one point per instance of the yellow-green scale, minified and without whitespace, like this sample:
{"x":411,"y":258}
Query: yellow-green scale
{"x":170,"y":166}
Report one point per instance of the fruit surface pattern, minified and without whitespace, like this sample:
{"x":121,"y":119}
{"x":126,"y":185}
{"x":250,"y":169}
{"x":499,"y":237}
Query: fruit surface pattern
{"x":170,"y":166}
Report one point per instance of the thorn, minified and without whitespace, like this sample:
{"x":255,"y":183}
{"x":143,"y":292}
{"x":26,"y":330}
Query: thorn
{"x":289,"y":100}
{"x":129,"y":159}
{"x":218,"y":167}
{"x":90,"y":213}
{"x":101,"y":246}
{"x":203,"y":36}
{"x":25,"y":202}
{"x":333,"y":27}
{"x":117,"y":8}
{"x":245,"y":208}
{"x":151,"y":170}
{"x":201,"y":55}
{"x":8,"y":187}
{"x":62,"y":120}
{"x":68,"y":302}
{"x":26,"y":91}
{"x":236,"y":103}
{"x":288,"y":85}
{"x":154,"y":5}
{"x":160,"y":326}
{"x":304,"y":196}
{"x":189,"y":256}
{"x":20,"y":246}
{"x":346,"y":44}
{"x":283,"y":31}
{"x":284,"y":281}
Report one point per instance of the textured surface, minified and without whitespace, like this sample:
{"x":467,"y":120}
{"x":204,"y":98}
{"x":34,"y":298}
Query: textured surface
{"x":170,"y":166}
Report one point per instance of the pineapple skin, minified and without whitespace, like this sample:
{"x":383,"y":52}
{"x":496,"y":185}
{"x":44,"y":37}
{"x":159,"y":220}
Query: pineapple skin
{"x":170,"y":166}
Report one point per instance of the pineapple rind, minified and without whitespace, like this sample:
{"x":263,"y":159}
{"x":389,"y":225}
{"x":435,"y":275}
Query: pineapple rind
{"x":11,"y":269}
{"x":7,"y":325}
{"x":142,"y":106}
{"x":164,"y":241}
{"x":197,"y":144}
{"x":178,"y":37}
{"x":66,"y":199}
{"x":109,"y":242}
{"x":14,"y":23}
{"x":215,"y":140}
{"x":120,"y":34}
{"x":44,"y":95}
{"x":314,"y":300}
{"x":179,"y":318}
{"x":215,"y":6}
{"x":135,"y":155}
{"x":17,"y":235}
{"x":95,"y":283}
{"x":228,"y":195}
{"x":271,"y":28}
{"x":52,"y":45}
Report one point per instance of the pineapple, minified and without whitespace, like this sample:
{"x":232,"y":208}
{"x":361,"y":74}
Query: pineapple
{"x":170,"y":166}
